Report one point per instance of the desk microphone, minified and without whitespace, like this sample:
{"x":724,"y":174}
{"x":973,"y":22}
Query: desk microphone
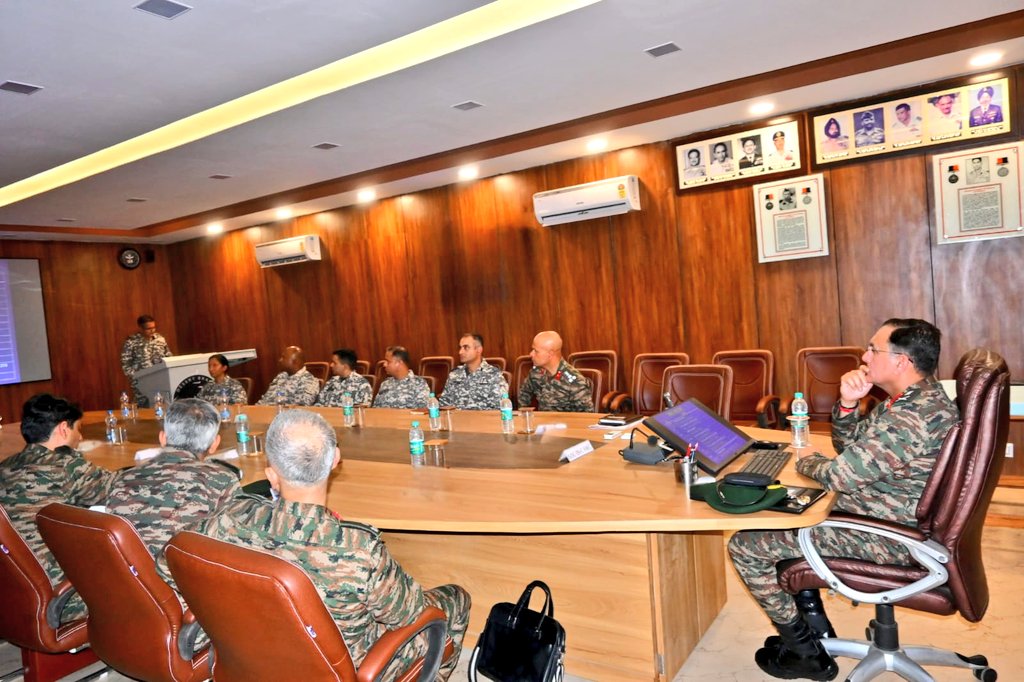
{"x":643,"y":453}
{"x":667,"y":397}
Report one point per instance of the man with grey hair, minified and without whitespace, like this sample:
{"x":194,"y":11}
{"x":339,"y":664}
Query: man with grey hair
{"x":177,"y":487}
{"x":362,"y":585}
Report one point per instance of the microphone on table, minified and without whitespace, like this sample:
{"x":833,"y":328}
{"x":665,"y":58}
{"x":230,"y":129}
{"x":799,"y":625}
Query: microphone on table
{"x":643,"y":453}
{"x":667,"y":397}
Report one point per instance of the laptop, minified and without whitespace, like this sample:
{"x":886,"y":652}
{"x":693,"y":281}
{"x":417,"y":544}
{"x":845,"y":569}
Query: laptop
{"x":693,"y":422}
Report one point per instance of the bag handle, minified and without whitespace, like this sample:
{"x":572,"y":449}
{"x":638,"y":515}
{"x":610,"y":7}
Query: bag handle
{"x":546,"y":611}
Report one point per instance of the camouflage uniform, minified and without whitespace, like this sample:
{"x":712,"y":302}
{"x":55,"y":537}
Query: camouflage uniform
{"x":173,"y":490}
{"x":410,"y":392}
{"x":300,"y":388}
{"x":233,"y":388}
{"x":139,"y":353}
{"x":881,"y":468}
{"x":565,"y":391}
{"x":34,"y":478}
{"x":336,"y":388}
{"x":363,"y":587}
{"x":479,"y":390}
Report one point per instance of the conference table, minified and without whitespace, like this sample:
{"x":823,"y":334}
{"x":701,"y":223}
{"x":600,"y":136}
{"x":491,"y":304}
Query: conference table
{"x":636,"y":568}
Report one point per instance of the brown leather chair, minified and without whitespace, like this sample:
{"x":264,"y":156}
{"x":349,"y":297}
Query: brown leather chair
{"x":247,"y":385}
{"x":380,"y":372}
{"x":321,"y":370}
{"x":648,"y":372}
{"x":507,"y":376}
{"x":819,"y":371}
{"x":520,"y":370}
{"x":136,"y":623}
{"x":227,"y":586}
{"x":949,"y":577}
{"x":363,"y":367}
{"x":436,"y":367}
{"x":710,"y":384}
{"x":605,"y":361}
{"x":372,"y":380}
{"x":596,"y":378}
{"x":30,"y":613}
{"x":497,"y":362}
{"x":753,"y":386}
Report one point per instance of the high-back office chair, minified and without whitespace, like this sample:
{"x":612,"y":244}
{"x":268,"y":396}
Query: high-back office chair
{"x":436,"y":368}
{"x":380,"y":372}
{"x":321,"y":370}
{"x":372,"y":380}
{"x":247,"y":385}
{"x":136,"y":623}
{"x":753,"y":386}
{"x":819,"y":373}
{"x":520,"y":370}
{"x":710,"y":384}
{"x":950,"y":575}
{"x":295,"y":638}
{"x":596,"y":378}
{"x":497,"y":362}
{"x":605,"y":361}
{"x":507,"y":376}
{"x":30,"y":613}
{"x":648,"y":372}
{"x":363,"y":367}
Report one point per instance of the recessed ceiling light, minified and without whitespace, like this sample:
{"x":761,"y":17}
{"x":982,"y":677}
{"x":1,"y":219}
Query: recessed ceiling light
{"x":468,"y":105}
{"x":283,"y":213}
{"x":597,"y":144}
{"x":165,"y":9}
{"x":326,"y":145}
{"x":663,"y":49}
{"x":214,"y":228}
{"x":366,"y":195}
{"x":762,"y":108}
{"x":984,"y":59}
{"x":468,"y":172}
{"x":19,"y":88}
{"x":220,"y":176}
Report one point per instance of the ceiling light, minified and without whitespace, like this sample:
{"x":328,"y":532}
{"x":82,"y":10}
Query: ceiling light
{"x":214,"y":228}
{"x":474,"y":27}
{"x":283,"y":213}
{"x":326,"y":145}
{"x":166,"y":9}
{"x":468,"y":105}
{"x":468,"y":172}
{"x":597,"y":144}
{"x":19,"y":88}
{"x":366,"y":195}
{"x":984,"y":59}
{"x":662,"y":50}
{"x":762,"y":108}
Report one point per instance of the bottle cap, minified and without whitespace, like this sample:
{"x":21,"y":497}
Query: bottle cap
{"x":431,"y":395}
{"x":798,"y":394}
{"x":415,"y":424}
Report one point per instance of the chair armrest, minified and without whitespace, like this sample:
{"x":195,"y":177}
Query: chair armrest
{"x":768,"y":411}
{"x":61,"y":594}
{"x":620,"y":402}
{"x":432,"y":621}
{"x":866,"y":404}
{"x":929,"y":554}
{"x":784,"y":406}
{"x":604,"y":405}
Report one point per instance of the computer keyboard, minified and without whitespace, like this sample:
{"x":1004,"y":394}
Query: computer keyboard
{"x":767,"y":462}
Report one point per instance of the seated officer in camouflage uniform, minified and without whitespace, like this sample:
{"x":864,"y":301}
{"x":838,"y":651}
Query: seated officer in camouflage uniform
{"x":345,"y":380}
{"x":142,"y":349}
{"x":555,"y":383}
{"x":402,"y":388}
{"x":882,"y":464}
{"x":177,"y":487}
{"x":363,"y":587}
{"x":49,"y":469}
{"x":295,"y":385}
{"x":475,"y":384}
{"x":222,"y":387}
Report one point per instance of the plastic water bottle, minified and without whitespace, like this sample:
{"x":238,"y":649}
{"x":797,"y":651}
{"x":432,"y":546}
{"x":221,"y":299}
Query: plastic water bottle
{"x":799,"y":421}
{"x":507,"y":425}
{"x":158,"y":406}
{"x":126,"y":408}
{"x":111,"y":425}
{"x":347,"y":410}
{"x":279,"y":401}
{"x":242,"y":433}
{"x":416,"y":455}
{"x":222,"y":405}
{"x":434,"y":412}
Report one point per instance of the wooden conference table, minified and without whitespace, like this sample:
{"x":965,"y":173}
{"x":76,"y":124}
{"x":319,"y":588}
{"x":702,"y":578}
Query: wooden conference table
{"x":636,"y":568}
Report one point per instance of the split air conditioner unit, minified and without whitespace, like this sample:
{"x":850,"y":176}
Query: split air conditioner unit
{"x":291,"y":250}
{"x":584,"y":202}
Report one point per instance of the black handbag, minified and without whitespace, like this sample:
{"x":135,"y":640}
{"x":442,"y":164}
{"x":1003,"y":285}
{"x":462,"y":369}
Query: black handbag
{"x":520,"y":645}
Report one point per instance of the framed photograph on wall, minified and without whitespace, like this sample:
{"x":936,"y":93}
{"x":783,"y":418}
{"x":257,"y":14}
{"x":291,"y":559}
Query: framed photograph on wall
{"x":790,"y":218}
{"x":978,"y":193}
{"x":737,"y":153}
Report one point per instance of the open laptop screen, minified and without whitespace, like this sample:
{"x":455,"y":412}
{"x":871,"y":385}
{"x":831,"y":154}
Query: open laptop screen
{"x":693,"y":422}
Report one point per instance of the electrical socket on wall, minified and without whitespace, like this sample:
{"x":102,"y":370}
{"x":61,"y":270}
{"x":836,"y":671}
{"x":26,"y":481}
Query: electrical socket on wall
{"x":1009,"y":450}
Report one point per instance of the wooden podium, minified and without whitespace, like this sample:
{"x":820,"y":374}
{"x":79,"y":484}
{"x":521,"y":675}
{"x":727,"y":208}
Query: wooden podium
{"x":181,"y":376}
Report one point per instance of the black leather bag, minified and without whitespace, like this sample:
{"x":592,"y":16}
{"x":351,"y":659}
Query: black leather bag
{"x":520,"y":645}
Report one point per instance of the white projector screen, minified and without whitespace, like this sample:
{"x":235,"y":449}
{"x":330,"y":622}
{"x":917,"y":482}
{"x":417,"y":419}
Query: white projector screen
{"x":24,"y":351}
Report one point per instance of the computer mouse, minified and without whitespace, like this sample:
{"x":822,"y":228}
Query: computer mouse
{"x":700,"y":480}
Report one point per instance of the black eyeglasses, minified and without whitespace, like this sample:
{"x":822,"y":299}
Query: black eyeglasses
{"x":872,"y":349}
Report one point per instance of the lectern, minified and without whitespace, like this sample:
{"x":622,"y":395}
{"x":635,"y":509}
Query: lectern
{"x":181,"y":376}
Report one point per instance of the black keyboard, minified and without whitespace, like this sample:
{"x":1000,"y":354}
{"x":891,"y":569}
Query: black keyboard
{"x":767,"y":462}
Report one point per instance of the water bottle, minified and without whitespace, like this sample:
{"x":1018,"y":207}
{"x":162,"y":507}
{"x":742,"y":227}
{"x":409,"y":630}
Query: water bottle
{"x":507,"y":425}
{"x":347,"y":410}
{"x":242,"y":433}
{"x":222,"y":405}
{"x":111,"y":425}
{"x":126,"y":408}
{"x":279,"y":401}
{"x":799,"y":421}
{"x":416,"y":445}
{"x":158,"y":406}
{"x":434,"y":412}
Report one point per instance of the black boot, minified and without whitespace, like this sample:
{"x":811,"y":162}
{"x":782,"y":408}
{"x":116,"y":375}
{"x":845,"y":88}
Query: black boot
{"x":799,"y":655}
{"x":808,"y":603}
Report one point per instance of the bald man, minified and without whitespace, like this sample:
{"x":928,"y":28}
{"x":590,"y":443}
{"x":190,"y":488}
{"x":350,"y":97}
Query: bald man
{"x":295,"y":385}
{"x":556,"y":384}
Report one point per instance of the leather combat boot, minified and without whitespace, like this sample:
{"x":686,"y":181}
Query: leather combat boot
{"x":798,"y":656}
{"x":808,"y":603}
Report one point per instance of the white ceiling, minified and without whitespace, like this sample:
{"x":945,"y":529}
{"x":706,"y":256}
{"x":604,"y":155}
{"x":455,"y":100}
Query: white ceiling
{"x":111,"y":72}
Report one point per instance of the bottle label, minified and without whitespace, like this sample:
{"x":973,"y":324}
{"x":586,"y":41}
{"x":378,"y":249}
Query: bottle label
{"x":159,"y":412}
{"x":416,"y":447}
{"x":506,"y":414}
{"x":434,"y":412}
{"x":243,"y":436}
{"x":347,"y":410}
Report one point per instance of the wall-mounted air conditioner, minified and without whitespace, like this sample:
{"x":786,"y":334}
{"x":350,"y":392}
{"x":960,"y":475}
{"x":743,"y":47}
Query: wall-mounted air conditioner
{"x":291,"y":250}
{"x":584,"y":202}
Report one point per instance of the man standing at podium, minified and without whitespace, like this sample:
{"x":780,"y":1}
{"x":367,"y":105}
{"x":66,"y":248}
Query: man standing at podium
{"x":141,"y":350}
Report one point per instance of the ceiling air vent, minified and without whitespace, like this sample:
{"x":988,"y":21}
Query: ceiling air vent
{"x":326,"y":145}
{"x":662,"y":50}
{"x":468,"y":105}
{"x":20,"y":88}
{"x":163,"y":8}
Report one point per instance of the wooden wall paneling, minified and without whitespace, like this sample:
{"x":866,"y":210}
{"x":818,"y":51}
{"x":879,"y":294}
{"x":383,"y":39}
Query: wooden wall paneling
{"x":882,"y":247}
{"x":718,"y":271}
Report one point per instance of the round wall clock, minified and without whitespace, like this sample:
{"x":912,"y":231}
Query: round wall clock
{"x":129,"y":258}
